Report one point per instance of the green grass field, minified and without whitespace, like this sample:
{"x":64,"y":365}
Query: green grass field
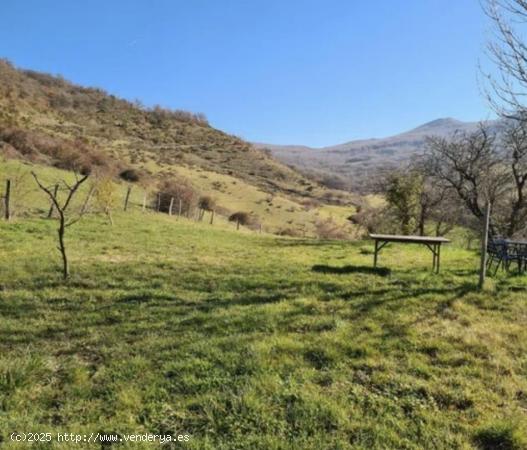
{"x":255,"y":342}
{"x":274,"y":212}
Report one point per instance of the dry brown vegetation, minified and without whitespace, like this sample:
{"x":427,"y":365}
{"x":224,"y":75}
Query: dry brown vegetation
{"x":45,"y":116}
{"x":69,"y":154}
{"x":184,"y":195}
{"x":328,"y":229}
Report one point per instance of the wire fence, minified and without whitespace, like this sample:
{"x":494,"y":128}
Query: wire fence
{"x":21,"y":197}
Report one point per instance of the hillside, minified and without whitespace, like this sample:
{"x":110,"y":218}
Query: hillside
{"x":248,"y":341}
{"x":356,"y":161}
{"x":48,"y":120}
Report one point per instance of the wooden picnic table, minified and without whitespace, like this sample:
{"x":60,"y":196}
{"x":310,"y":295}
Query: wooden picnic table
{"x":433,"y":244}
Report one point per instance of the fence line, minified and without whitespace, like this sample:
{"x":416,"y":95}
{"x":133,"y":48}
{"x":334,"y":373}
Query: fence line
{"x":18,"y":206}
{"x":7,"y":199}
{"x":127,"y":197}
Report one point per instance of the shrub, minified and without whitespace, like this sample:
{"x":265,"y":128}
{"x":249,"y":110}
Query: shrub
{"x":66,"y":154}
{"x":131,"y":175}
{"x":291,"y":232}
{"x":206,"y":203}
{"x":310,"y":203}
{"x":334,"y":182}
{"x":375,"y":220}
{"x":241,"y":217}
{"x":179,"y":189}
{"x":501,"y":435}
{"x":106,"y":196}
{"x":162,"y":117}
{"x":328,"y":229}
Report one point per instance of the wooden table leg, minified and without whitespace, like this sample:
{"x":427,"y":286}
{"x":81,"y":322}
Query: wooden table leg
{"x":375,"y":254}
{"x":438,"y":257}
{"x":435,"y":249}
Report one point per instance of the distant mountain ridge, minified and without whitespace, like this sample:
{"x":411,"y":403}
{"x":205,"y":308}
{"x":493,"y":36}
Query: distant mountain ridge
{"x":354,"y":161}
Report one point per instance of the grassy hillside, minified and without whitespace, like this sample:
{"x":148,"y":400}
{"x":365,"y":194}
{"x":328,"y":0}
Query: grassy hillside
{"x":276,"y":213}
{"x":248,"y":341}
{"x":48,"y":120}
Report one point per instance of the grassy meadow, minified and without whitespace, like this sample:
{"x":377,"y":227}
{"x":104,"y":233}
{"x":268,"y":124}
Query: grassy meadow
{"x":247,"y":341}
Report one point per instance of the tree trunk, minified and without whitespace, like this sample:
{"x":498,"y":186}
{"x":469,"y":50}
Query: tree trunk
{"x":62,"y":249}
{"x":422,"y":220}
{"x":514,"y":219}
{"x":52,"y":207}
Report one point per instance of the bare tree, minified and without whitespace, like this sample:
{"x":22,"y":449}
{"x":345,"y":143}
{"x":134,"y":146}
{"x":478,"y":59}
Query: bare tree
{"x":480,"y":167}
{"x":437,"y":204}
{"x":506,"y":92}
{"x":514,"y":143}
{"x":62,"y":211}
{"x":468,"y":163}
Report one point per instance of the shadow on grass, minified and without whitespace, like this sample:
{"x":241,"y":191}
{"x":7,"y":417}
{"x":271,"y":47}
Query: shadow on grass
{"x":343,"y":270}
{"x":310,"y":243}
{"x":463,"y":272}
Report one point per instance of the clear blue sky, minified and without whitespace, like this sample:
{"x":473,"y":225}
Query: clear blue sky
{"x":291,"y":71}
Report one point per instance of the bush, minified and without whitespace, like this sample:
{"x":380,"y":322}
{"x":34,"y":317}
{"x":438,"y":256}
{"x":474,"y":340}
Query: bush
{"x":291,"y":232}
{"x":502,"y":435}
{"x":241,"y":217}
{"x":328,"y":229}
{"x":375,"y":220}
{"x":131,"y":175}
{"x":106,"y":196}
{"x":180,"y":190}
{"x":206,"y":203}
{"x":310,"y":203}
{"x":66,"y":154}
{"x":162,"y":117}
{"x":335,"y":182}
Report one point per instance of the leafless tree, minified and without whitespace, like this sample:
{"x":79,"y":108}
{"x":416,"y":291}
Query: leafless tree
{"x":480,"y":167}
{"x":506,"y":91}
{"x":437,"y":204}
{"x":64,"y":218}
{"x":514,"y":142}
{"x":470,"y":164}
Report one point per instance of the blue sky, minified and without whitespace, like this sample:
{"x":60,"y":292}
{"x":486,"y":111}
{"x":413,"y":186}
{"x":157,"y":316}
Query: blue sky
{"x":289,"y":72}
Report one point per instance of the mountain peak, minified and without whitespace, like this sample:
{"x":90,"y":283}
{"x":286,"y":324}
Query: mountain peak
{"x":445,"y":122}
